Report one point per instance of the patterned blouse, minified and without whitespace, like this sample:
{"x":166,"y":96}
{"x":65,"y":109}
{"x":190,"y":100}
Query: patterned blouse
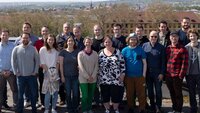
{"x":110,"y":68}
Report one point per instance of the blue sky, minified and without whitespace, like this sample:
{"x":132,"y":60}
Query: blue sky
{"x":49,"y":0}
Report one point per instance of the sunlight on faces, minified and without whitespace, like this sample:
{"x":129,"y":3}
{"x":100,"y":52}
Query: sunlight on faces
{"x":26,"y":28}
{"x":139,"y":32}
{"x":44,"y":31}
{"x":66,"y":28}
{"x":25,"y":39}
{"x":88,"y":42}
{"x":108,"y":42}
{"x":185,"y":23}
{"x":97,"y":30}
{"x":77,"y":32}
{"x":163,"y":27}
{"x":70,"y":42}
{"x":4,"y":36}
{"x":50,"y":41}
{"x":174,"y":39}
{"x":117,"y":31}
{"x":153,"y":37}
{"x":133,"y":41}
{"x":193,"y":37}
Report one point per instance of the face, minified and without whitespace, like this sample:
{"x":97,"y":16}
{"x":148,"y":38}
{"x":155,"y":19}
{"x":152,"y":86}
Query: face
{"x":4,"y":36}
{"x":70,"y":42}
{"x":26,"y":28}
{"x":44,"y":31}
{"x":193,"y":37}
{"x":50,"y":41}
{"x":97,"y":30}
{"x":25,"y":39}
{"x":66,"y":28}
{"x":139,"y":31}
{"x":133,"y":42}
{"x":88,"y":43}
{"x":185,"y":23}
{"x":108,"y":43}
{"x":163,"y":27}
{"x":174,"y":39}
{"x":117,"y":31}
{"x":77,"y":32}
{"x":153,"y":37}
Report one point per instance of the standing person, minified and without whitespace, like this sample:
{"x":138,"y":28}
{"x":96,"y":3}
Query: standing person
{"x":177,"y":64}
{"x":139,"y":30}
{"x":50,"y":64}
{"x":38,"y":44}
{"x":155,"y":53}
{"x":163,"y":34}
{"x":88,"y":67}
{"x":119,"y":41}
{"x":136,"y":66}
{"x":27,"y":28}
{"x":25,"y":63}
{"x":182,"y":32}
{"x":69,"y":74}
{"x":60,"y":40}
{"x":6,"y":72}
{"x":193,"y":72}
{"x":97,"y":45}
{"x":78,"y":37}
{"x":111,"y":75}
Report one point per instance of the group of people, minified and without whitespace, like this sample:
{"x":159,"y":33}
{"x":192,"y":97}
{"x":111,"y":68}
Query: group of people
{"x":102,"y":67}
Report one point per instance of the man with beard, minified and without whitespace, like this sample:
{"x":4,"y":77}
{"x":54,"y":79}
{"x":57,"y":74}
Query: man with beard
{"x":185,"y":25}
{"x":25,"y":64}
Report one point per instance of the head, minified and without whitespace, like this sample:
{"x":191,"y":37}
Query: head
{"x":87,"y":41}
{"x":44,"y":31}
{"x":193,"y":35}
{"x":50,"y":42}
{"x":132,"y":40}
{"x":139,"y":30}
{"x":117,"y":29}
{"x":97,"y":30}
{"x":185,"y":23}
{"x":66,"y":28}
{"x":4,"y":35}
{"x":77,"y":31}
{"x":26,"y":28}
{"x":174,"y":37}
{"x":163,"y":26}
{"x":153,"y":37}
{"x":107,"y":41}
{"x":25,"y":38}
{"x":70,"y":43}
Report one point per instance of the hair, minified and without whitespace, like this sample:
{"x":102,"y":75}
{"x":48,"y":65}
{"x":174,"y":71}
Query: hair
{"x":187,"y":18}
{"x":77,"y":27}
{"x":97,"y":25}
{"x":162,"y":22}
{"x":87,"y":37}
{"x":54,"y":44}
{"x":5,"y":30}
{"x":65,"y":44}
{"x":26,"y":34}
{"x":45,"y":27}
{"x":107,"y":37}
{"x":116,"y":25}
{"x":128,"y":39}
{"x":192,"y":30}
{"x":27,"y":23}
{"x":139,"y":26}
{"x":67,"y":23}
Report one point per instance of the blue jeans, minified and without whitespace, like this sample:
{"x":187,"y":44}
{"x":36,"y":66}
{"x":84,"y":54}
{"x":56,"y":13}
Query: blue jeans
{"x":48,"y":98}
{"x":31,"y":82}
{"x":153,"y":82}
{"x":72,"y":93}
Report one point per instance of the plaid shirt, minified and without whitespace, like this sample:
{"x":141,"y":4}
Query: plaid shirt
{"x":177,"y":61}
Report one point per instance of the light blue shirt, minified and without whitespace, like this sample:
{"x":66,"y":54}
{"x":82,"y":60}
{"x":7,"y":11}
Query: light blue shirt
{"x":5,"y":56}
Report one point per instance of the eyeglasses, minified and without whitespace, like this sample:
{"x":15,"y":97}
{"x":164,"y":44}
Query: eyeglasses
{"x":153,"y":36}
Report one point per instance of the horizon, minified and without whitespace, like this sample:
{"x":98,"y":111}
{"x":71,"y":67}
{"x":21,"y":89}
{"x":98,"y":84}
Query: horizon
{"x":72,"y":1}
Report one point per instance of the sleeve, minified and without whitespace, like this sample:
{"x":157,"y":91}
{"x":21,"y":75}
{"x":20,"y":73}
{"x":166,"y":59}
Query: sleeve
{"x":143,"y":54}
{"x":184,"y":63}
{"x":163,"y":61}
{"x":42,"y":56}
{"x":96,"y":65}
{"x":37,"y":61}
{"x":61,"y":53}
{"x":81,"y":66}
{"x":14,"y":61}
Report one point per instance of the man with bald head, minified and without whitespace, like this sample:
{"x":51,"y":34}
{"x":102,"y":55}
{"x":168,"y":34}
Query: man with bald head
{"x":155,"y":70}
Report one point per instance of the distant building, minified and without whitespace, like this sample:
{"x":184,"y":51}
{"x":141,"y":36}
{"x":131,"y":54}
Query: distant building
{"x":149,"y":25}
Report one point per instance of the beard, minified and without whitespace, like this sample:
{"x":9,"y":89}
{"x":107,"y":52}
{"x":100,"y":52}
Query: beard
{"x":186,"y":27}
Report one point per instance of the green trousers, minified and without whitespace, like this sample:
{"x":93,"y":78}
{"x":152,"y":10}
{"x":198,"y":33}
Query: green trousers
{"x":87,"y":90}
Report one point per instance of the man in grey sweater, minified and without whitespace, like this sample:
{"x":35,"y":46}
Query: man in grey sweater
{"x":25,"y":63}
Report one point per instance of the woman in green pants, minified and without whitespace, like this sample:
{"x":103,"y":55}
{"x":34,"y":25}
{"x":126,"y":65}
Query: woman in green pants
{"x":88,"y":67}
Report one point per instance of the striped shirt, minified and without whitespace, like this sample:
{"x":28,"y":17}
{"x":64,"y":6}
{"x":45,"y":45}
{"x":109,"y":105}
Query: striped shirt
{"x":177,"y":61}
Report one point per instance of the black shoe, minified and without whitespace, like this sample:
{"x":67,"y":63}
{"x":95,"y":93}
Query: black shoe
{"x":5,"y":106}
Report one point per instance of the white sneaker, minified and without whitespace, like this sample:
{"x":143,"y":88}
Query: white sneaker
{"x":53,"y":111}
{"x":46,"y":111}
{"x":27,"y":104}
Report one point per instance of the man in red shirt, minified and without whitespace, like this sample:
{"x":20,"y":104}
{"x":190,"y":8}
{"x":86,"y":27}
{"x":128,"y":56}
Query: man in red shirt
{"x":177,"y":64}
